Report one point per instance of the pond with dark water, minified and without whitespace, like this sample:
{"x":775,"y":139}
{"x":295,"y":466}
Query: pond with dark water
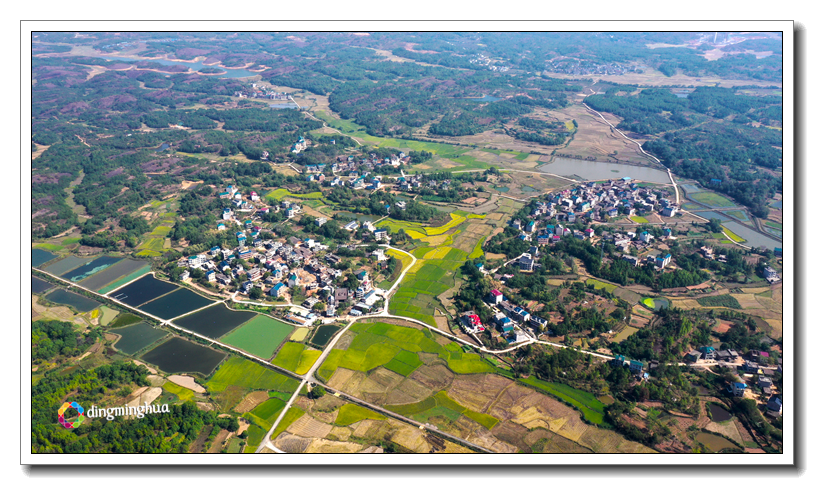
{"x":39,"y":256}
{"x":214,"y":321}
{"x":718,"y":413}
{"x":79,"y":302}
{"x":39,"y":285}
{"x":324,"y":334}
{"x":137,"y":337}
{"x":143,"y":290}
{"x":175,"y":304}
{"x":177,"y":355}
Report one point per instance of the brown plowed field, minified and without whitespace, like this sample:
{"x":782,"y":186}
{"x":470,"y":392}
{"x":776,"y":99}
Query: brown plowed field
{"x":251,"y":401}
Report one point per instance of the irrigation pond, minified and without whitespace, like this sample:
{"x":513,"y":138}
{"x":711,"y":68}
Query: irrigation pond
{"x":718,"y":413}
{"x":324,"y":334}
{"x":714,"y":442}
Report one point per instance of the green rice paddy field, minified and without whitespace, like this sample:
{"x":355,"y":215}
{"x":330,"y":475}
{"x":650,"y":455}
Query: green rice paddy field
{"x":244,"y":373}
{"x":600,"y":284}
{"x":712,"y":199}
{"x":265,"y":413}
{"x":353,"y":413}
{"x":396,"y":348}
{"x":260,"y":336}
{"x":296,"y":357}
{"x":278,"y":194}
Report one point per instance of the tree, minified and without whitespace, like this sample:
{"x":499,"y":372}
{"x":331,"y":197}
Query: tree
{"x":256,"y":293}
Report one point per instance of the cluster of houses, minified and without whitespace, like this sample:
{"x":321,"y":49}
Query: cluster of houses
{"x":278,"y":266}
{"x":580,"y":67}
{"x":241,"y":202}
{"x":261,"y":92}
{"x":614,"y":198}
{"x":347,"y":164}
{"x":507,"y":318}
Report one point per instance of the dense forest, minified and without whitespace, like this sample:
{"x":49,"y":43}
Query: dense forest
{"x":155,"y":433}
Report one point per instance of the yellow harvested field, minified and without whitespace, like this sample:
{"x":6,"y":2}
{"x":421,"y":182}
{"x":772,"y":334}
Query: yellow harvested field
{"x":754,"y":290}
{"x":435,"y":240}
{"x":309,"y":427}
{"x":686,"y":304}
{"x":299,"y":334}
{"x":769,"y":304}
{"x":328,"y":446}
{"x":414,"y":234}
{"x":747,"y":300}
{"x":340,"y":377}
{"x":554,"y":282}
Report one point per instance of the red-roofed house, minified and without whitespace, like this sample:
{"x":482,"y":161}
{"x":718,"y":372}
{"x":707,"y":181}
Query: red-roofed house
{"x":495,"y":297}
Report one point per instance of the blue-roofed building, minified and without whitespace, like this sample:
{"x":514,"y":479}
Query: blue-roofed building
{"x":775,"y":404}
{"x":636,"y":366}
{"x":618,"y":361}
{"x":737,"y":389}
{"x":276,"y":290}
{"x":708,"y":352}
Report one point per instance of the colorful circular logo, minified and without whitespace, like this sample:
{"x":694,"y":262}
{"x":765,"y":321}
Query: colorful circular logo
{"x":71,"y":423}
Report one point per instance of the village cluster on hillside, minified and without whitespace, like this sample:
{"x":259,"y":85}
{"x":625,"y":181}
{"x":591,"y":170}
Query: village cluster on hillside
{"x":276,"y":268}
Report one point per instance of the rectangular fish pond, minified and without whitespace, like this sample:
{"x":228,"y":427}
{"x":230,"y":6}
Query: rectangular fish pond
{"x":214,"y":321}
{"x":69,"y":298}
{"x":143,"y":290}
{"x":90,"y":268}
{"x":137,"y":337}
{"x":175,"y":304}
{"x":177,"y":355}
